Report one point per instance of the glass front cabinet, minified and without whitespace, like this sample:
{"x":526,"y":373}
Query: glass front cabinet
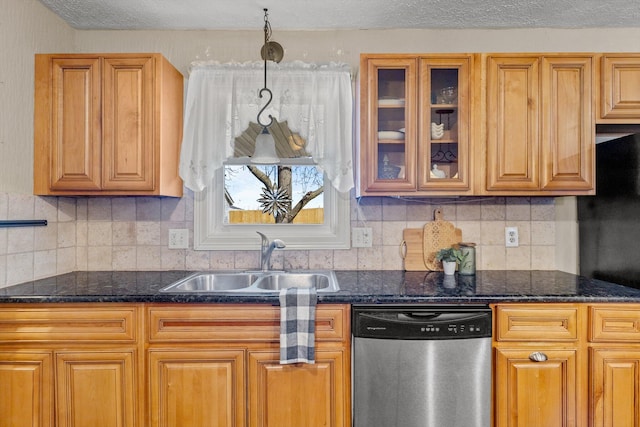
{"x":415,"y":124}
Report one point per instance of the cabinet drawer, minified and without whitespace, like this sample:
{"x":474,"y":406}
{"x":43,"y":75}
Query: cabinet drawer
{"x":614,"y":323}
{"x":61,"y":323}
{"x":236,"y":323}
{"x":535,"y":323}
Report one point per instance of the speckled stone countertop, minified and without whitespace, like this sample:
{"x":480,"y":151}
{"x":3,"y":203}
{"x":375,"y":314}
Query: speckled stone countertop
{"x":356,"y":287}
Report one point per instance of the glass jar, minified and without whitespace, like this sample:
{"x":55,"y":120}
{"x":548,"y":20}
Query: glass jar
{"x":468,"y":263}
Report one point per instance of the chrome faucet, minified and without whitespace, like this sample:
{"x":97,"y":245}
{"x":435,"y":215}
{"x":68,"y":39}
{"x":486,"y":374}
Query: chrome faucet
{"x":266,"y":249}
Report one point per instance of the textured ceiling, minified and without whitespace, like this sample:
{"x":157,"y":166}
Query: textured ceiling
{"x":344,"y":14}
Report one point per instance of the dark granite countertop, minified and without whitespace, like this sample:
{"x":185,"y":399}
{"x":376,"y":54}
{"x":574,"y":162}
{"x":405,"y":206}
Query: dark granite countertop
{"x":356,"y":287}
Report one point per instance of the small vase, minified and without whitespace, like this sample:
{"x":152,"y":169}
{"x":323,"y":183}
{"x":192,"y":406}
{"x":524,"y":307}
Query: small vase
{"x":449,"y":267}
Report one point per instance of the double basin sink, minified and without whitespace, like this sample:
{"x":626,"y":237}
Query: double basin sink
{"x":254,"y":282}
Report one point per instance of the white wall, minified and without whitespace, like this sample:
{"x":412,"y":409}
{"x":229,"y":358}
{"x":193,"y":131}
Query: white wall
{"x":26,"y":27}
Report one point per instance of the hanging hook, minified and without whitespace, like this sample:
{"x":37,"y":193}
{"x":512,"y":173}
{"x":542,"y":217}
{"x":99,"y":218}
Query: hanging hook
{"x":267,"y":53}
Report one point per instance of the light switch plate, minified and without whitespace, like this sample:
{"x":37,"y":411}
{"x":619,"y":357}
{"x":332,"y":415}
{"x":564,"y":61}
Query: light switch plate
{"x":179,"y":238}
{"x":361,"y":237}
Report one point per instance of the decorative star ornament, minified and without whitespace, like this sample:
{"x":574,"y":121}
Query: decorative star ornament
{"x":274,"y":201}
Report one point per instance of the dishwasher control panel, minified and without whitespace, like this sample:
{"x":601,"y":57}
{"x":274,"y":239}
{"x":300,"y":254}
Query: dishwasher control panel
{"x":421,"y":322}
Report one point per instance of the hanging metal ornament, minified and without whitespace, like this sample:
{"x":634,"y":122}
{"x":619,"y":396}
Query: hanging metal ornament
{"x":274,"y":201}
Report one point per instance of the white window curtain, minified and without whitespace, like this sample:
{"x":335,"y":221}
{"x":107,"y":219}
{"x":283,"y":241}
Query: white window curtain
{"x":315,"y":100}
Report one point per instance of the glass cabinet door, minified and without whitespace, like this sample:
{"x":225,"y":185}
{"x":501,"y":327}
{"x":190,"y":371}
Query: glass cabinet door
{"x":388,"y":148}
{"x":443,"y":145}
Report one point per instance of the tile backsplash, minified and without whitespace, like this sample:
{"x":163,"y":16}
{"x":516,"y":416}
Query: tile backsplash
{"x":131,"y":233}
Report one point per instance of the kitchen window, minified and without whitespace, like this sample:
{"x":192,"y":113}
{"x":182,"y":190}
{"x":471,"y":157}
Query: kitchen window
{"x":312,"y":106}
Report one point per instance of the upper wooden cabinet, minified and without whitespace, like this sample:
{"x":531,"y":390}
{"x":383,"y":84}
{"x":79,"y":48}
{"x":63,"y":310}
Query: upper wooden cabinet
{"x":415,"y":113}
{"x":540,"y":134}
{"x":107,"y":125}
{"x":619,"y":88}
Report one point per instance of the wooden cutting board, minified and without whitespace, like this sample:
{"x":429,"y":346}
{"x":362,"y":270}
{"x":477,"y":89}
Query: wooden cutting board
{"x":438,"y":234}
{"x":419,"y":245}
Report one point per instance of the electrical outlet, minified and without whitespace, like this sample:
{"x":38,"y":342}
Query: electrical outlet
{"x":178,"y":238}
{"x":511,"y":237}
{"x":361,"y":237}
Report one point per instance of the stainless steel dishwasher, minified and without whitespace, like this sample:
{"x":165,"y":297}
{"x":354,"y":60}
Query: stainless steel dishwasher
{"x":421,"y":366}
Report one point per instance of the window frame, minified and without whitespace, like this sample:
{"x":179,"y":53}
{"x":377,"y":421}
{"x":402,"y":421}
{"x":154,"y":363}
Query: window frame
{"x":210,"y":232}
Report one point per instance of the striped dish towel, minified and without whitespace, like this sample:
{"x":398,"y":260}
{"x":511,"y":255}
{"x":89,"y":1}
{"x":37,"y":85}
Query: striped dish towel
{"x":297,"y":325}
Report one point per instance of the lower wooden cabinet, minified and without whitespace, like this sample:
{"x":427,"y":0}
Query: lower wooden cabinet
{"x":532,"y":393}
{"x":218,"y":365}
{"x":614,"y":394}
{"x":301,"y":395}
{"x":70,"y":365}
{"x":96,"y":388}
{"x":196,"y":388}
{"x":26,"y":389}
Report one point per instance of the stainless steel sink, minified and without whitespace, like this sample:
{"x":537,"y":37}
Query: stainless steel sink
{"x":254,"y":282}
{"x":212,"y":282}
{"x":278,"y":281}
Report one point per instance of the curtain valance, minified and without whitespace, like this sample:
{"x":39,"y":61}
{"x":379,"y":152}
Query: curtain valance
{"x":315,"y":100}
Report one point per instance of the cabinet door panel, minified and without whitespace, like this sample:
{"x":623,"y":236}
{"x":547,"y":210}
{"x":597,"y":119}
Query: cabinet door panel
{"x":615,"y":399}
{"x":26,"y":398}
{"x":568,"y":157}
{"x":96,"y":389}
{"x":536,"y":393}
{"x":197,"y":388}
{"x":128,"y":124}
{"x":388,"y":104}
{"x":300,"y":395}
{"x":513,"y":140}
{"x":75,"y":124}
{"x":620,"y":89}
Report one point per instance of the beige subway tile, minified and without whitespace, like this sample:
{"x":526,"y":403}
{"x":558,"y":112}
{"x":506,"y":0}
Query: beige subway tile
{"x":172,"y":209}
{"x":3,"y":271}
{"x":245,"y":260}
{"x":19,"y":268}
{"x":148,"y":209}
{"x":370,"y":258}
{"x":3,"y":240}
{"x":392,"y":232}
{"x":124,"y":258}
{"x":543,"y":257}
{"x":148,"y":258}
{"x":222,"y":260}
{"x":394,"y":209}
{"x":124,"y":233}
{"x":82,"y":233}
{"x":543,"y":209}
{"x":419,"y":210}
{"x":99,"y":258}
{"x":99,"y":233}
{"x":46,"y":238}
{"x":20,"y":239}
{"x":172,"y":259}
{"x":66,"y":209}
{"x":45,"y":264}
{"x":518,"y":258}
{"x":123,"y":209}
{"x":518,"y":209}
{"x":82,"y":209}
{"x":345,"y":259}
{"x":20,"y":206}
{"x":4,"y":206}
{"x":468,"y":211}
{"x":493,"y":258}
{"x":46,"y":208}
{"x":391,"y":258}
{"x":543,"y":233}
{"x":369,"y":209}
{"x":198,"y":260}
{"x":494,"y":209}
{"x":66,"y":234}
{"x":321,"y":259}
{"x":296,"y":260}
{"x":82,"y":258}
{"x":147,"y":233}
{"x":471,"y":231}
{"x":66,"y":260}
{"x":492,"y":233}
{"x":524,"y":231}
{"x":99,"y":209}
